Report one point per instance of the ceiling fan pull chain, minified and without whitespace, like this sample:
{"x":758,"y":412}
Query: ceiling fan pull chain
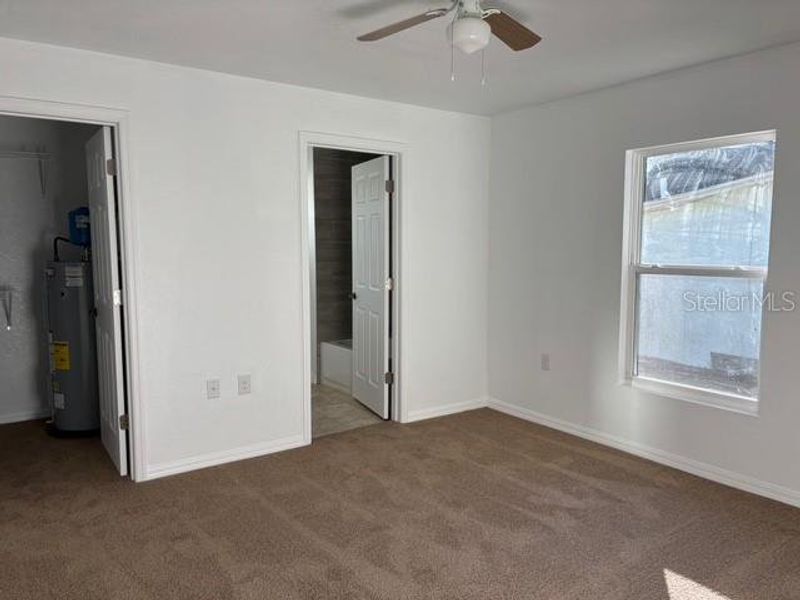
{"x":452,"y":61}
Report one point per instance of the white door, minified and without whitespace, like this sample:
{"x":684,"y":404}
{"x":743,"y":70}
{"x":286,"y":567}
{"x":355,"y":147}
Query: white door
{"x":370,"y":290}
{"x":107,"y":296}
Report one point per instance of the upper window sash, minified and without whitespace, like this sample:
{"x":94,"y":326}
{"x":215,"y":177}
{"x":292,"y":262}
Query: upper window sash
{"x":635,"y":181}
{"x":707,"y":144}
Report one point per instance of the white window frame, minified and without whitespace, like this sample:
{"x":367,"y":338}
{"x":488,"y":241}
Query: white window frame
{"x":633,"y":269}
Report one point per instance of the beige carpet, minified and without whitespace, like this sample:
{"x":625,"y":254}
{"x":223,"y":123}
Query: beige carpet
{"x":477,"y":505}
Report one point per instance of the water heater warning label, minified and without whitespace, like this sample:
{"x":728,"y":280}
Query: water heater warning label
{"x":61,"y":358}
{"x":73,"y":276}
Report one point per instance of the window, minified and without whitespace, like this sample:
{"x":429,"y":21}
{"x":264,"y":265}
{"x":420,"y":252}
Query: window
{"x":694,"y":269}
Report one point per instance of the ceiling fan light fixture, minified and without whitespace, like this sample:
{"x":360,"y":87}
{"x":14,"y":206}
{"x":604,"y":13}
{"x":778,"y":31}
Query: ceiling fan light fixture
{"x":471,"y":34}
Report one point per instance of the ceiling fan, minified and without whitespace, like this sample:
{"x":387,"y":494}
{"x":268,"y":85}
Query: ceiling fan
{"x":471,"y":28}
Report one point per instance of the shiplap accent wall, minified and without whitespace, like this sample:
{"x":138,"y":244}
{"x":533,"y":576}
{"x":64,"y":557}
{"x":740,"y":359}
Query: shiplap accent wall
{"x":332,"y":221}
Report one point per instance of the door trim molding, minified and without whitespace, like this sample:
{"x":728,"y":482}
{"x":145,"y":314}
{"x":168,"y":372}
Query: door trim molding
{"x":398,"y":151}
{"x":118,"y":120}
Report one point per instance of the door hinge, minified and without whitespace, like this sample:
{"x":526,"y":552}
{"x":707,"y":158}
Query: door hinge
{"x":111,"y":167}
{"x":389,"y":285}
{"x":388,"y":378}
{"x":117,"y":298}
{"x":124,"y":422}
{"x":389,"y":186}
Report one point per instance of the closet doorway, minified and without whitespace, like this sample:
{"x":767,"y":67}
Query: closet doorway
{"x":62,"y":289}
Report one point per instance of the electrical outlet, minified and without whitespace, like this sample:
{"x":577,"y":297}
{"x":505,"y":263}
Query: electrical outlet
{"x":243,"y":384}
{"x":212,"y":389}
{"x":545,"y":362}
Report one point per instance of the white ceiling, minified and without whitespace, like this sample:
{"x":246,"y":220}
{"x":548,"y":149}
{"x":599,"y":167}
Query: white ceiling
{"x":588,"y":44}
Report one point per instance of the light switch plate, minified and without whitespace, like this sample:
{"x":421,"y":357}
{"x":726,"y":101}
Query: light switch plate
{"x":212,"y":389}
{"x":243,"y":384}
{"x":545,"y":362}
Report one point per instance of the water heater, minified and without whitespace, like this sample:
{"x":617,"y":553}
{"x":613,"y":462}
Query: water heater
{"x":73,"y":356}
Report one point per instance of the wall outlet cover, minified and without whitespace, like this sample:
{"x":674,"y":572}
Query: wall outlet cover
{"x":243,"y":384}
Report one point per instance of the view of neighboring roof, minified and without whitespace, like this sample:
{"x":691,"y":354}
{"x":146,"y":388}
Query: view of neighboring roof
{"x":674,"y":174}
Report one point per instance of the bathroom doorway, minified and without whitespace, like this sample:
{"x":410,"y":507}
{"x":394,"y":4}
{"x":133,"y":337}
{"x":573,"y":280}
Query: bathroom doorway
{"x":351,"y":240}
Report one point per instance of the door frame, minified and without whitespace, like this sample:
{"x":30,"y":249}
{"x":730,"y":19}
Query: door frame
{"x":308,"y":140}
{"x":118,"y":120}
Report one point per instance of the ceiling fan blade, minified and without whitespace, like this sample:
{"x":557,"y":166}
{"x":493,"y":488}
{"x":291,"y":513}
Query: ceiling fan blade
{"x":513,"y":33}
{"x":383,"y":32}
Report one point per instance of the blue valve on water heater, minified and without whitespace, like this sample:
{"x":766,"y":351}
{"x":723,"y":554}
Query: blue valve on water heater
{"x":79,"y":230}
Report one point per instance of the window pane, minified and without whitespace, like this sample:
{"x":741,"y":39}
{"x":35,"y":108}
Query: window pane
{"x":700,"y":331}
{"x":709,"y":207}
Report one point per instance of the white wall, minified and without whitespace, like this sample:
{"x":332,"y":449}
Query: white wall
{"x":215,"y":183}
{"x":556,"y":203}
{"x":29,"y":219}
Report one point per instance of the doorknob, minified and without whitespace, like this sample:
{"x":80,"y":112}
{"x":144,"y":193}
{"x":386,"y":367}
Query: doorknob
{"x":353,"y":295}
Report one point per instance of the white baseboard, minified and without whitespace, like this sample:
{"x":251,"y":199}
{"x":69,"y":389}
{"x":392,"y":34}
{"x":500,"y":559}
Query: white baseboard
{"x":25,"y":415}
{"x":444,"y":409}
{"x":218,"y":458}
{"x":707,"y":471}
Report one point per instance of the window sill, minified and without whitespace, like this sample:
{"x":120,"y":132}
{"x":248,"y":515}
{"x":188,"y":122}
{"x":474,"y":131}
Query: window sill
{"x":687,"y":393}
